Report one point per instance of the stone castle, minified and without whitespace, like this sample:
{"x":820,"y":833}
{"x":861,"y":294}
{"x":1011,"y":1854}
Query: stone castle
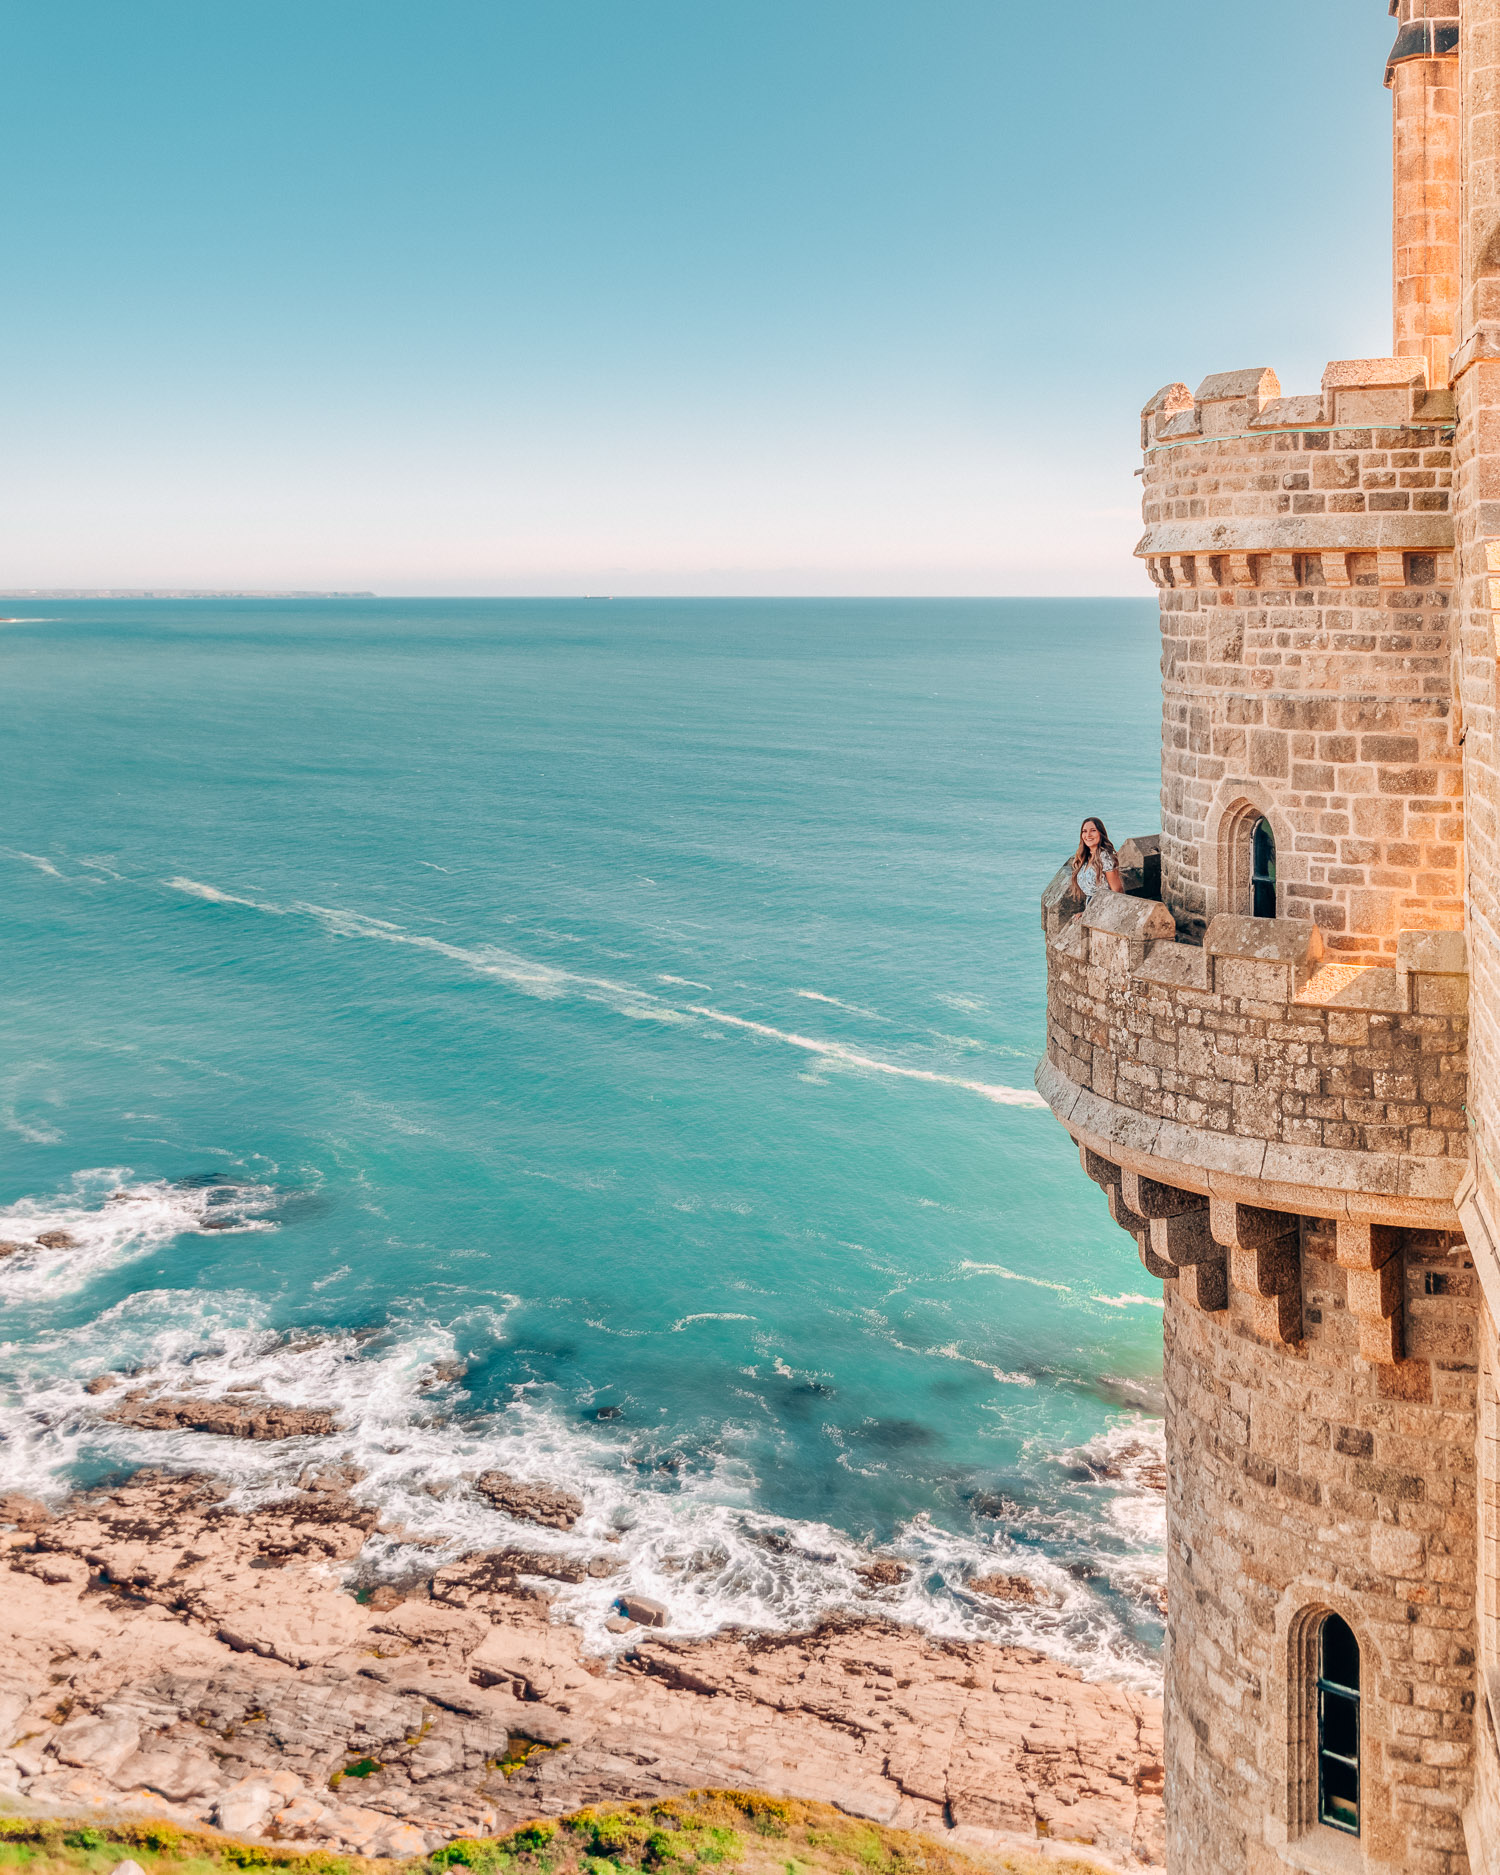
{"x":1279,"y":1051}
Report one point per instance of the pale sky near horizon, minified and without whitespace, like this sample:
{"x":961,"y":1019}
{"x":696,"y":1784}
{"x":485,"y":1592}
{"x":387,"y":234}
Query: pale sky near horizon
{"x":674,"y":296}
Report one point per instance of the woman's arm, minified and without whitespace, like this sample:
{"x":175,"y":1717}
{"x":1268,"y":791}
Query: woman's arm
{"x":1112,"y":878}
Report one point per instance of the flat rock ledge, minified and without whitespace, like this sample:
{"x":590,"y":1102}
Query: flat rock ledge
{"x":164,"y":1654}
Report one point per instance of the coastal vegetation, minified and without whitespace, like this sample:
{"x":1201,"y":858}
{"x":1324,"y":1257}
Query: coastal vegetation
{"x":731,"y":1832}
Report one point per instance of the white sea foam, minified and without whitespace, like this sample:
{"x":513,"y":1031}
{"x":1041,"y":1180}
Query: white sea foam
{"x":109,"y":1220}
{"x":1013,"y":1276}
{"x":834,"y":1002}
{"x":548,"y":982}
{"x":33,"y":859}
{"x":34,"y":1132}
{"x":853,"y":1058}
{"x":545,"y":981}
{"x":195,"y":888}
{"x":1129,"y":1301}
{"x":1132,"y":1458}
{"x":718,"y":1315}
{"x":694,"y":1540}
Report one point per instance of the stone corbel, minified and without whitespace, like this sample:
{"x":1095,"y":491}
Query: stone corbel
{"x":1335,"y":569}
{"x":1265,"y":1264}
{"x":1371,"y":1254}
{"x":1241,"y":572}
{"x":1106,"y":1174}
{"x":1391,"y":566}
{"x":1180,"y":1238}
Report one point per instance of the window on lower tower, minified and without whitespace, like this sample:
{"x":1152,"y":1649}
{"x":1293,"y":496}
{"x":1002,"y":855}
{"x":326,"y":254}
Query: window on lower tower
{"x":1262,"y":870}
{"x":1338,"y":1726}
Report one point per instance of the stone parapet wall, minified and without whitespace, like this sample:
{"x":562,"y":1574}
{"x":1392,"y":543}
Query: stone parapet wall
{"x":1303,"y":548}
{"x":1251,"y":1059}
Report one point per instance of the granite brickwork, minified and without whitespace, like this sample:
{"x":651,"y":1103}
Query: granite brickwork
{"x":1307,"y":649}
{"x":1286,"y":1081}
{"x":1301,"y":1482}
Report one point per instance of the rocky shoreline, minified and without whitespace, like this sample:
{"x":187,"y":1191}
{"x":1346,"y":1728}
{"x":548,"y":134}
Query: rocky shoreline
{"x":162,"y":1650}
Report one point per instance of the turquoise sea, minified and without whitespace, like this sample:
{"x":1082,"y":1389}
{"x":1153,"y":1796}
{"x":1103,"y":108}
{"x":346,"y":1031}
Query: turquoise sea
{"x":634,"y":1002}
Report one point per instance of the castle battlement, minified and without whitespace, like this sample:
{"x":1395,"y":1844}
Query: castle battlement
{"x":1278,"y":1050}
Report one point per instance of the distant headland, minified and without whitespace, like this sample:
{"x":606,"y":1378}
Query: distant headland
{"x":163,"y":592}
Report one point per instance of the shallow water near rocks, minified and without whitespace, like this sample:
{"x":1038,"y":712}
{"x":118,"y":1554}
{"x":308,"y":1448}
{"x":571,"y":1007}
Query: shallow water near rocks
{"x":635,"y":1002}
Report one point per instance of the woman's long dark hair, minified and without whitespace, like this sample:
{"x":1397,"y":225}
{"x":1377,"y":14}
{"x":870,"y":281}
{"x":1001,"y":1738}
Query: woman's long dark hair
{"x":1081,"y":857}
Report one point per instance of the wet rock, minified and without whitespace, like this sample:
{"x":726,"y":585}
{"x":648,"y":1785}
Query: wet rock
{"x":57,"y":1240}
{"x":10,"y":1248}
{"x":384,"y":1598}
{"x":101,"y":1383}
{"x":444,"y":1373}
{"x":993,"y":1504}
{"x":536,"y":1503}
{"x":1136,"y":1464}
{"x":1007,"y":1588}
{"x":242,"y":1416}
{"x":644,"y":1611}
{"x":608,"y":1412}
{"x":601,"y":1567}
{"x":335,"y":1479}
{"x":884,"y":1573}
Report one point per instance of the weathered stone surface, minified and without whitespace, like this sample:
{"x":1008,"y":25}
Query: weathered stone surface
{"x":235,"y":1416}
{"x":1007,"y":1588}
{"x":534,"y":1503}
{"x":250,"y":1704}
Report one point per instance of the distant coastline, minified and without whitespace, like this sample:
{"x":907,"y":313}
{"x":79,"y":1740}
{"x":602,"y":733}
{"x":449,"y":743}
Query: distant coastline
{"x":163,"y":592}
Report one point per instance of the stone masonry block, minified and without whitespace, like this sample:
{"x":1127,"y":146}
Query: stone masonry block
{"x":1376,"y":1292}
{"x":1154,"y":1266}
{"x":1138,"y":1226}
{"x":1249,"y":1225}
{"x":1185,"y":1238}
{"x":1204,"y":1285}
{"x":1276,"y":1318}
{"x":1268,"y":1270}
{"x":1360,"y":1246}
{"x":1380,"y":1339}
{"x":1152,"y":1200}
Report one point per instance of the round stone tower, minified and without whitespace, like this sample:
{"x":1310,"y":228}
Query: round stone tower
{"x":1262,"y":1049}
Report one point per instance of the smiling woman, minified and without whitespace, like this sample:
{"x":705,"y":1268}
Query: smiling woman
{"x":534,"y":1153}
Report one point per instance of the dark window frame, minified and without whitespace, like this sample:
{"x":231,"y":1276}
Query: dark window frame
{"x":1262,"y":869}
{"x":1338,"y":1712}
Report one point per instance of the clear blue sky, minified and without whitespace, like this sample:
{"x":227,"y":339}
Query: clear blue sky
{"x":508,"y":296}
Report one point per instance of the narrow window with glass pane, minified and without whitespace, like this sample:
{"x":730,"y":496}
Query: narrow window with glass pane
{"x":1263,"y":871}
{"x":1338,"y":1726}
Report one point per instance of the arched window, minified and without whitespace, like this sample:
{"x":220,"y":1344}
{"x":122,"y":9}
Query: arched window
{"x":1262,"y":870}
{"x":1338,"y":1726}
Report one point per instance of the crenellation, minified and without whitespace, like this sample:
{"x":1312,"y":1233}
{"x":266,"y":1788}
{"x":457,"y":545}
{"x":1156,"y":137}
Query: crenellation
{"x":1290,"y":1095}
